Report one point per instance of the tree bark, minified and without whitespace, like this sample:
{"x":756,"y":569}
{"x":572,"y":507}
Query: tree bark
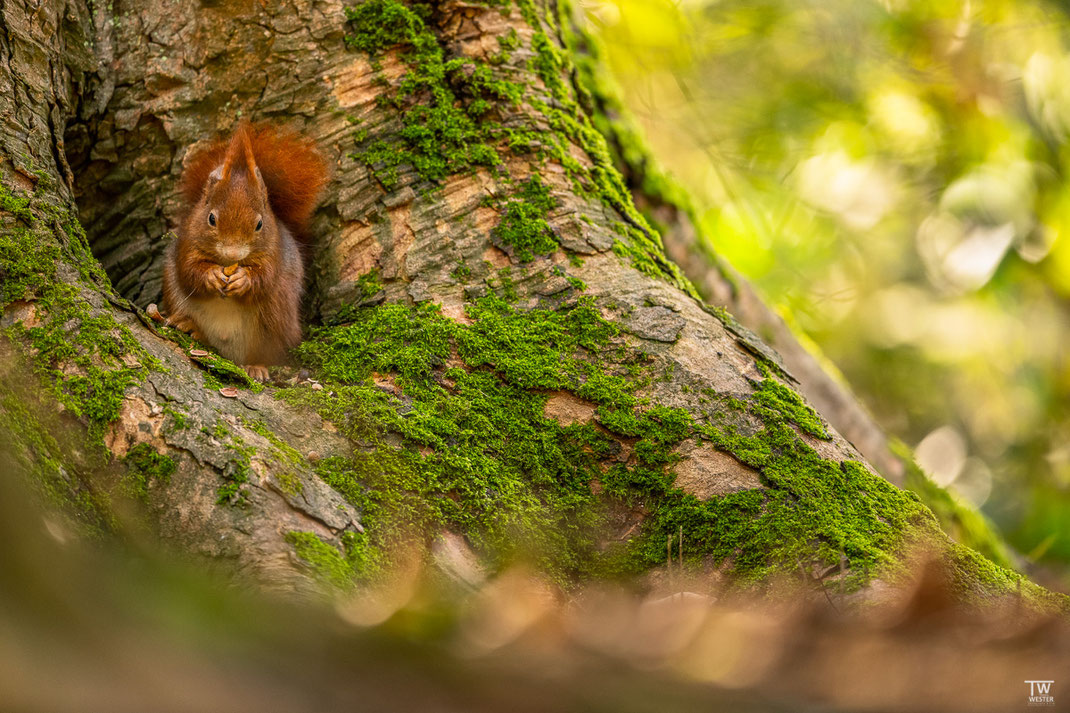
{"x":466,"y":176}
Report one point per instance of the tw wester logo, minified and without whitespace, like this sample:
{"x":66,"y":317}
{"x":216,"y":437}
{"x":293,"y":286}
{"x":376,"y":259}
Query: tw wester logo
{"x":1040,"y":693}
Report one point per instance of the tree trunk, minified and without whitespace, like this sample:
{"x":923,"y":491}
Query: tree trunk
{"x":504,"y":357}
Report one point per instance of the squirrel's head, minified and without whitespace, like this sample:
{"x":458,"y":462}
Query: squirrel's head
{"x":234,"y":212}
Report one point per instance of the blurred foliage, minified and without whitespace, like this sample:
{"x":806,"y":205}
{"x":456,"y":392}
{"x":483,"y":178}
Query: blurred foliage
{"x":892,"y":175}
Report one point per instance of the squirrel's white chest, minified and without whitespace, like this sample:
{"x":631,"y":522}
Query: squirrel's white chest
{"x":227,"y":325}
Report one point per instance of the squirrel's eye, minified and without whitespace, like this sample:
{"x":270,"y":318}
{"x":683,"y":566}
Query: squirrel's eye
{"x":259,"y":224}
{"x":211,"y":219}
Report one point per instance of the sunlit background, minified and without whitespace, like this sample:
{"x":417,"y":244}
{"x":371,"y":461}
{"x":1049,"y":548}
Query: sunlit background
{"x":892,"y":176}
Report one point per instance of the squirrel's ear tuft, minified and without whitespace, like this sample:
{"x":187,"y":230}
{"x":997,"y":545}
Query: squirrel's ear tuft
{"x":239,"y":158}
{"x":247,"y":152}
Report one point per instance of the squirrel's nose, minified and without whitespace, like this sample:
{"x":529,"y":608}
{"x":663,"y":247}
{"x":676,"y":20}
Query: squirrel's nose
{"x":232,"y":253}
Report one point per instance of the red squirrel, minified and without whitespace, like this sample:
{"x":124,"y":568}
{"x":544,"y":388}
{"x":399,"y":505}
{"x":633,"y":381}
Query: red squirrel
{"x":235,"y":275}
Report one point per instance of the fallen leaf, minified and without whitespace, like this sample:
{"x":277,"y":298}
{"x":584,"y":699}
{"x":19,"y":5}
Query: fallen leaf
{"x":229,"y":391}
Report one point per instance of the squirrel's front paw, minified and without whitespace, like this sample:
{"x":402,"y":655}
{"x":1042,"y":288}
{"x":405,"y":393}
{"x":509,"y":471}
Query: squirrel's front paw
{"x":257,"y":372}
{"x":238,"y":284}
{"x":215,"y":279}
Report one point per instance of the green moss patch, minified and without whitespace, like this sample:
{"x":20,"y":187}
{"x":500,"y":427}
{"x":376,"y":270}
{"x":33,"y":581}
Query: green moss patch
{"x":815,"y":510}
{"x":144,"y":466}
{"x":336,"y":569}
{"x":479,"y":456}
{"x":86,"y":360}
{"x":523,"y":225}
{"x":451,"y":432}
{"x":438,"y":137}
{"x":238,"y":469}
{"x":326,"y":563}
{"x":776,"y":397}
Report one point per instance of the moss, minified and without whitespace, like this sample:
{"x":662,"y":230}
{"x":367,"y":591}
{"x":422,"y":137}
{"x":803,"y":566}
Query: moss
{"x":237,"y":470}
{"x":26,"y":266}
{"x":774,"y":396}
{"x":571,"y":117}
{"x":226,"y":371}
{"x":506,"y":285}
{"x":145,"y":466}
{"x":179,"y":420}
{"x":523,"y":225}
{"x":534,"y":349}
{"x":510,"y":40}
{"x":462,"y":272}
{"x":478,"y":456}
{"x":381,"y":24}
{"x":327,"y":563}
{"x":576,"y":283}
{"x":379,"y":485}
{"x":639,"y":241}
{"x":529,"y":13}
{"x":18,"y":206}
{"x":289,"y":483}
{"x":438,"y":137}
{"x":337,"y":569}
{"x":85,"y":359}
{"x":974,"y":578}
{"x":282,"y":451}
{"x":812,"y":512}
{"x":287,"y":458}
{"x":369,"y":284}
{"x":815,"y":510}
{"x":549,"y":65}
{"x":363,"y":558}
{"x":32,"y":246}
{"x":508,"y":43}
{"x":477,"y":81}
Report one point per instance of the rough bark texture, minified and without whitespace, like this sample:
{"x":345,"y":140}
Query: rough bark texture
{"x":466,"y":176}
